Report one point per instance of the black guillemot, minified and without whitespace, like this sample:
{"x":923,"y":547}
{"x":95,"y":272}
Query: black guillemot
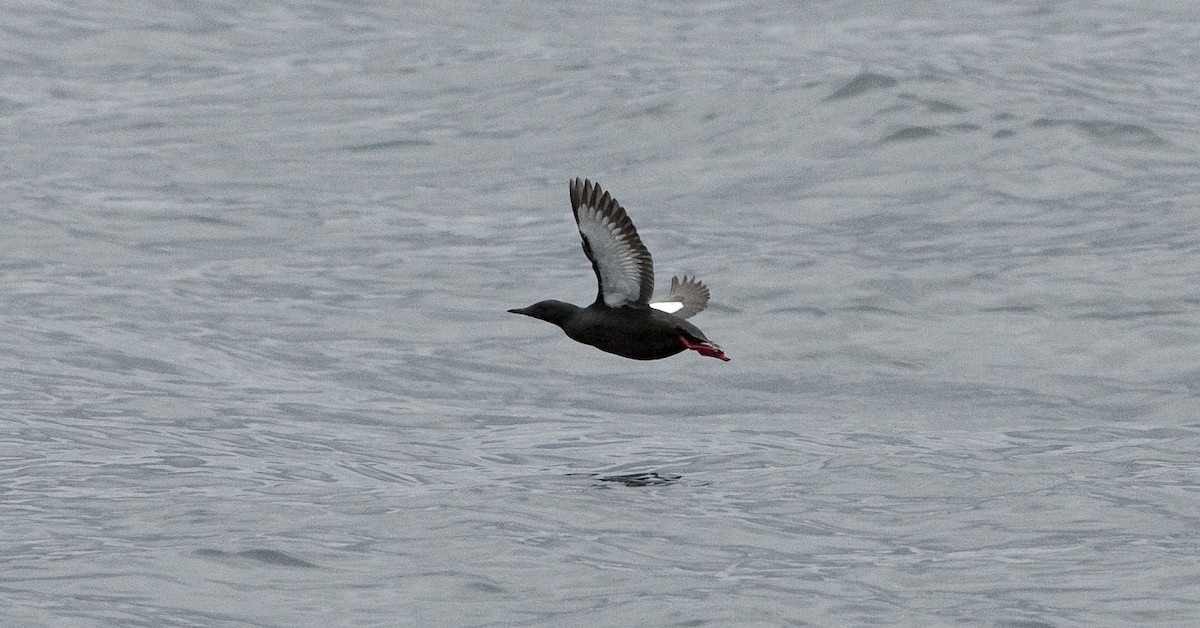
{"x":623,"y":320}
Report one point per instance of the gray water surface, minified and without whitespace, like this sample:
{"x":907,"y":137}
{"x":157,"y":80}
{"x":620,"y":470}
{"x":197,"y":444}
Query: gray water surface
{"x":256,"y":370}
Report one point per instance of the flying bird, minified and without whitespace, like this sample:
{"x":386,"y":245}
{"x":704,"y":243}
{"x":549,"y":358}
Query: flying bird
{"x":623,"y":320}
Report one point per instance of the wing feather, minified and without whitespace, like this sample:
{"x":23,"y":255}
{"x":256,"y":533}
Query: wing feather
{"x":688,"y":297}
{"x":624,"y":269}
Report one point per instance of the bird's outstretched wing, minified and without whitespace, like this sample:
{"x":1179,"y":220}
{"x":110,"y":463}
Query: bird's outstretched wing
{"x":624,"y":270}
{"x":688,"y":297}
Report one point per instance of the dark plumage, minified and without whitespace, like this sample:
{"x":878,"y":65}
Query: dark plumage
{"x":622,"y":320}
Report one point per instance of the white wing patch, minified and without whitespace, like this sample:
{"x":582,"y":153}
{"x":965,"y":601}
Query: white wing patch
{"x":620,"y":273}
{"x":688,"y":297}
{"x":670,"y":307}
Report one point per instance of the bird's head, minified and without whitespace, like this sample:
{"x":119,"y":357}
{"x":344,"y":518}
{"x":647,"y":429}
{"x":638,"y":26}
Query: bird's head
{"x":556,"y":312}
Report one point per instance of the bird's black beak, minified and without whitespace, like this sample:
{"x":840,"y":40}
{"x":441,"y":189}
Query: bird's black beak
{"x":519,"y":310}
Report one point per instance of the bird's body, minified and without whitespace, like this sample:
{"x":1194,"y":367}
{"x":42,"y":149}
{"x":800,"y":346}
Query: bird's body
{"x":622,"y":320}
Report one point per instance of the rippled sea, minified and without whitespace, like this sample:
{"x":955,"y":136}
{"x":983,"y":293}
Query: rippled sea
{"x":256,"y":369}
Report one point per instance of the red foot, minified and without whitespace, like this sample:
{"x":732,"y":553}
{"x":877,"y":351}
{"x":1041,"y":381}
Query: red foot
{"x":704,"y":348}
